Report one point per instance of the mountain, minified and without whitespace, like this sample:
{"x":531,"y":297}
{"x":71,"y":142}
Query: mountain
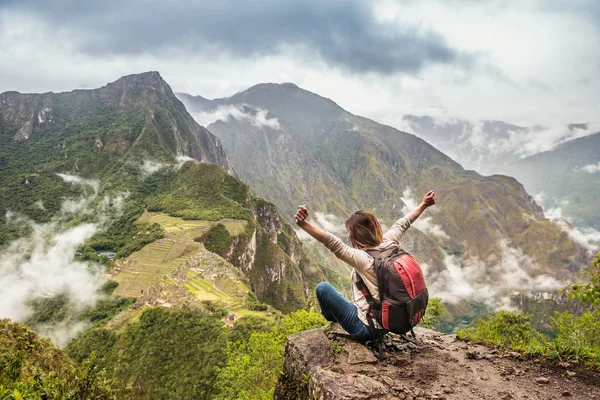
{"x":482,"y":145}
{"x":92,"y":133}
{"x":296,"y":147}
{"x":486,"y":145}
{"x":130,"y":138}
{"x":165,"y":123}
{"x":569,"y":177}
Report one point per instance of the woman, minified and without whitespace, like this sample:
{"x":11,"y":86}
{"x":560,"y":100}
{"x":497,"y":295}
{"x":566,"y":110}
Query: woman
{"x":365,"y":233}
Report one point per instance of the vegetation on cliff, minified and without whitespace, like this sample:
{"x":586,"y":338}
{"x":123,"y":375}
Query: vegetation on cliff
{"x":33,"y":368}
{"x":571,"y":337}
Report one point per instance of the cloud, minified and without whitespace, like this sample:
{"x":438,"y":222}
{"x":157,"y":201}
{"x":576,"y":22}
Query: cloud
{"x":331,"y":223}
{"x":423,"y":223}
{"x":62,"y":332}
{"x":344,"y":33}
{"x":492,"y":281}
{"x":240,"y":112}
{"x":487,"y":145}
{"x":84,"y":203}
{"x":148,"y":167}
{"x":588,"y":237}
{"x":93,"y":184}
{"x":183,"y":159}
{"x":40,"y":55}
{"x":591,"y":168}
{"x":43,"y":264}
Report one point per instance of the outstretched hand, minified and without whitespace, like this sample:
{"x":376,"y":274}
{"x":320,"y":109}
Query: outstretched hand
{"x":429,"y":199}
{"x":301,"y":214}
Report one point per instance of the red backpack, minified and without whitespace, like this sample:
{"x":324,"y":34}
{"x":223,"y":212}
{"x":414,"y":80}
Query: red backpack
{"x":402,"y":293}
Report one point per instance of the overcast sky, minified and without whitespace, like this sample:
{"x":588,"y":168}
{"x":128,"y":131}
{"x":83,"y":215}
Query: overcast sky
{"x":526,"y":62}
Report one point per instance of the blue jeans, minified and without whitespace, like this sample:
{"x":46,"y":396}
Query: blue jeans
{"x":335,"y":308}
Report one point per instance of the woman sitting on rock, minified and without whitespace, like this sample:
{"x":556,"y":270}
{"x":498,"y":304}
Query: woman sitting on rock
{"x":365,"y":233}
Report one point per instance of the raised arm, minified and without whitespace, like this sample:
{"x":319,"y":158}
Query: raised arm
{"x":306,"y":226}
{"x":428,"y":200}
{"x":400,"y":226}
{"x":357,"y":258}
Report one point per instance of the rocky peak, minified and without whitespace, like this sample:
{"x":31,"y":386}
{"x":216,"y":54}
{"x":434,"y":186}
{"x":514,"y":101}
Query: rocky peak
{"x":326,"y":364}
{"x":133,"y":91}
{"x":149,"y":80}
{"x":169,"y":131}
{"x":281,"y":97}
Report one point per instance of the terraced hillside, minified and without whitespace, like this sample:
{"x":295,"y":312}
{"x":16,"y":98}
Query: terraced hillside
{"x":151,"y":264}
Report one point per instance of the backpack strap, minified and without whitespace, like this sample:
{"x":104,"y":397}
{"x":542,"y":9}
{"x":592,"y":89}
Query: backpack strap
{"x":360,"y":284}
{"x":373,"y":306}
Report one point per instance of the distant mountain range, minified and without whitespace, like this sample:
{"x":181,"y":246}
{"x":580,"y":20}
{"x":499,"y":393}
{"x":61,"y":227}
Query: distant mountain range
{"x":554,"y":163}
{"x":296,"y":147}
{"x":292,"y":146}
{"x":486,"y":146}
{"x":567,"y":176}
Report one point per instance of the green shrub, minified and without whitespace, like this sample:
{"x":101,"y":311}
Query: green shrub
{"x":576,"y":337}
{"x":254,"y":304}
{"x":507,"y":329}
{"x":96,"y":340}
{"x":33,"y":368}
{"x":436,"y":310}
{"x":217,"y":239}
{"x":587,"y":288}
{"x":246,"y":326}
{"x":215,"y":308}
{"x":253,"y":366}
{"x":569,"y":336}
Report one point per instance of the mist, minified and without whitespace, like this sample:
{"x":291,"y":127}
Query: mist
{"x":591,"y":168}
{"x":492,"y":281}
{"x":328,"y":222}
{"x":424,"y":222}
{"x":256,"y":116}
{"x":148,"y":167}
{"x":588,"y":237}
{"x":43,"y":264}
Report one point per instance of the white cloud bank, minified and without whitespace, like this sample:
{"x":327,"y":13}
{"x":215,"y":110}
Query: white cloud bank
{"x":148,"y":167}
{"x":492,"y":281}
{"x":238,"y":112}
{"x":591,"y":168}
{"x":328,"y":222}
{"x":586,"y":236}
{"x":43,"y":264}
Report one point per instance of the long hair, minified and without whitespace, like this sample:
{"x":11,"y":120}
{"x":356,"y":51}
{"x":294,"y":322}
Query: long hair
{"x":364,"y":230}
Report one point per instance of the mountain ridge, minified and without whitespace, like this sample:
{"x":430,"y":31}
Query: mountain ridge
{"x":560,"y":177}
{"x":36,"y":113}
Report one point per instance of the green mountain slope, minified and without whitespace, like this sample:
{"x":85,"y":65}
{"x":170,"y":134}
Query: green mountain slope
{"x":307,"y":149}
{"x":130,"y":136}
{"x":92,"y":133}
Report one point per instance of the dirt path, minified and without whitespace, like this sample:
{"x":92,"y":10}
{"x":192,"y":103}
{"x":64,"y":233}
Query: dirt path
{"x":444,"y":367}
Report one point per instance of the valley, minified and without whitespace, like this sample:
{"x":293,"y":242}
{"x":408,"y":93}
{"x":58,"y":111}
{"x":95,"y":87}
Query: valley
{"x":174,"y":232}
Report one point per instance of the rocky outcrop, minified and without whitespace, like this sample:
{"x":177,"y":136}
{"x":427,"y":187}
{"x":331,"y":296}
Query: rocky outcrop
{"x":332,"y":366}
{"x":278,"y":268}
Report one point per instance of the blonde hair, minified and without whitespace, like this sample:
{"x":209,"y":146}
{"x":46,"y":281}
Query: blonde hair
{"x":364,"y":230}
